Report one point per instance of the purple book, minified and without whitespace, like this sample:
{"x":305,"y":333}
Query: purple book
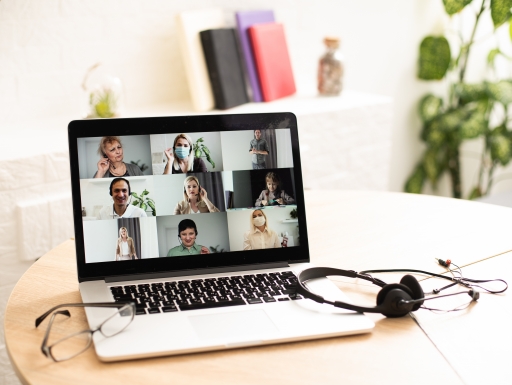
{"x":244,"y":20}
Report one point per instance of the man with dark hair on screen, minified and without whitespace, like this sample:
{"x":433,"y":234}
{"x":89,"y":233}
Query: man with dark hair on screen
{"x":259,"y":151}
{"x":187,"y":233}
{"x":120,"y":191}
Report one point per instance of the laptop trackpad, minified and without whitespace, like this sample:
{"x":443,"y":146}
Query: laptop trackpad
{"x":229,"y":326}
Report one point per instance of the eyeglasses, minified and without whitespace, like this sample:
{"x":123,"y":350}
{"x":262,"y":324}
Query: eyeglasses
{"x":76,"y":343}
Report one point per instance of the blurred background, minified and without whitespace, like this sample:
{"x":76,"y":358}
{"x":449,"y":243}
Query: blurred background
{"x":370,"y":132}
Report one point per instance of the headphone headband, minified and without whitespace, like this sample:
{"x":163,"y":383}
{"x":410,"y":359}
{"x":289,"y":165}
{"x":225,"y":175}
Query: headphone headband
{"x":392,"y":301}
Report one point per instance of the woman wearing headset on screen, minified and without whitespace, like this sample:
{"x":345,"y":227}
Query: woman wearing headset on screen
{"x":181,"y":159}
{"x":111,"y":163}
{"x":195,"y":199}
{"x":125,"y":249}
{"x":260,"y":236}
{"x":187,"y":233}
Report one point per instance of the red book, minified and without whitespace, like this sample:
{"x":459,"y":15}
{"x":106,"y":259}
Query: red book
{"x":272,"y":60}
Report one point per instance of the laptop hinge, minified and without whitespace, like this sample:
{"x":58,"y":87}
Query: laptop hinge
{"x":180,"y":273}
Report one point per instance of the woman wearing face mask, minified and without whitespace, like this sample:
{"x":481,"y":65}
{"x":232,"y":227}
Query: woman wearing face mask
{"x":181,"y":159}
{"x":195,"y":199}
{"x":260,"y":236}
{"x":125,"y":249}
{"x":273,"y":195}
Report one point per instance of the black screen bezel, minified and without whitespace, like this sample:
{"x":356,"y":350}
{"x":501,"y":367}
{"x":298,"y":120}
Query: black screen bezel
{"x":188,"y":124}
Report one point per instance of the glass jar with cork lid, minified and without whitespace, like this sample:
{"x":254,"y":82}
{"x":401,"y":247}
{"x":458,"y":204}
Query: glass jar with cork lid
{"x":330,"y":68}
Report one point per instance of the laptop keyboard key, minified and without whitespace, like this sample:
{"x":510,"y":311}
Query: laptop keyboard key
{"x":210,"y":305}
{"x":254,"y":300}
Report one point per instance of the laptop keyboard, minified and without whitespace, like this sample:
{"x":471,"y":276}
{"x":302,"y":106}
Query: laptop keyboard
{"x":208,"y":293}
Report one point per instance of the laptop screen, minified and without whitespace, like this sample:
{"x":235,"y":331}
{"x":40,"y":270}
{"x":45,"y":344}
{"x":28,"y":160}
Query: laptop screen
{"x":154,"y":198}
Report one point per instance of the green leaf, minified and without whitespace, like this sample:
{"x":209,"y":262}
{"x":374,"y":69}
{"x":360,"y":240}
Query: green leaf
{"x":151,"y":204}
{"x":135,"y":195}
{"x":143,"y":206}
{"x":471,"y":92}
{"x":432,"y":133}
{"x":453,"y":6}
{"x":430,"y":107}
{"x":200,"y":140}
{"x":210,"y":160}
{"x":501,"y":149}
{"x":475,"y":193}
{"x":206,"y":150}
{"x":415,"y":182}
{"x":500,"y":11}
{"x":433,"y":164}
{"x":474,"y":126}
{"x":492,"y":56}
{"x":510,"y":29}
{"x":145,"y":192}
{"x":198,"y":153}
{"x":501,"y":91}
{"x":451,"y":120}
{"x":434,"y":59}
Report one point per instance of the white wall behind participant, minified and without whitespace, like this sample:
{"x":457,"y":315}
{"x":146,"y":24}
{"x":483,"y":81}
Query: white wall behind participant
{"x":168,"y":191}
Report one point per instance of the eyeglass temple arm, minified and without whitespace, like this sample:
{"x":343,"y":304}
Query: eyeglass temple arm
{"x":91,"y":304}
{"x":44,"y":345}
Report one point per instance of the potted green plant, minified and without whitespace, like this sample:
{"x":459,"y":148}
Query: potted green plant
{"x":470,"y":111}
{"x":144,"y":202}
{"x":201,"y":151}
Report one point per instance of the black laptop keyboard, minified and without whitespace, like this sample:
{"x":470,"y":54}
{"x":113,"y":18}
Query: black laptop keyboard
{"x":208,"y":293}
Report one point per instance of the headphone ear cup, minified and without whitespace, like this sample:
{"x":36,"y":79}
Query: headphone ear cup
{"x":417,"y":292}
{"x":382,"y":296}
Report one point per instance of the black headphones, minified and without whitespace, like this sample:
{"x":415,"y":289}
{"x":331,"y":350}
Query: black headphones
{"x":115,"y":180}
{"x":393,"y":300}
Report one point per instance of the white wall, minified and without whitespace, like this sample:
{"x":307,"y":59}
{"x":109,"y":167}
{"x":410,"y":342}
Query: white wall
{"x":168,"y":191}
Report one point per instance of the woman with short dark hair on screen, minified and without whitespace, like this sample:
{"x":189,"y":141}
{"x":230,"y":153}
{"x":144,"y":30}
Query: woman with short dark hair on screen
{"x":273,"y":195}
{"x":260,"y":236}
{"x":195,"y":199}
{"x":181,"y":158}
{"x":125,"y":249}
{"x":111,"y":163}
{"x":187,"y":233}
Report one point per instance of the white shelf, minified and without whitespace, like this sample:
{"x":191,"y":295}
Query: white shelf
{"x":298,"y":104}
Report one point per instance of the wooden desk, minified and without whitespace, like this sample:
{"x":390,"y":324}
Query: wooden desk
{"x":348,"y":230}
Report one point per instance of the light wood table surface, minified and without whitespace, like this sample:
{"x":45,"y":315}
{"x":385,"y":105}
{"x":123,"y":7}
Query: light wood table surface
{"x":348,"y":230}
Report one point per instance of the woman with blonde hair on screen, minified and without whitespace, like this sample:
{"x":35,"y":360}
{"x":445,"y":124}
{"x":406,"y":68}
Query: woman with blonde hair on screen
{"x":125,"y":249}
{"x":195,"y":199}
{"x":181,"y":158}
{"x":111,"y":162}
{"x":260,"y":236}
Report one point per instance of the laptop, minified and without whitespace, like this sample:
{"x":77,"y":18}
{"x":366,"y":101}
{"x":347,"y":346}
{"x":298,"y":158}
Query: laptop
{"x":200,"y":221}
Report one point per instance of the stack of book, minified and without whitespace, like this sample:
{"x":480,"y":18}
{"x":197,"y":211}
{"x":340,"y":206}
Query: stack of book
{"x":227,"y":67}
